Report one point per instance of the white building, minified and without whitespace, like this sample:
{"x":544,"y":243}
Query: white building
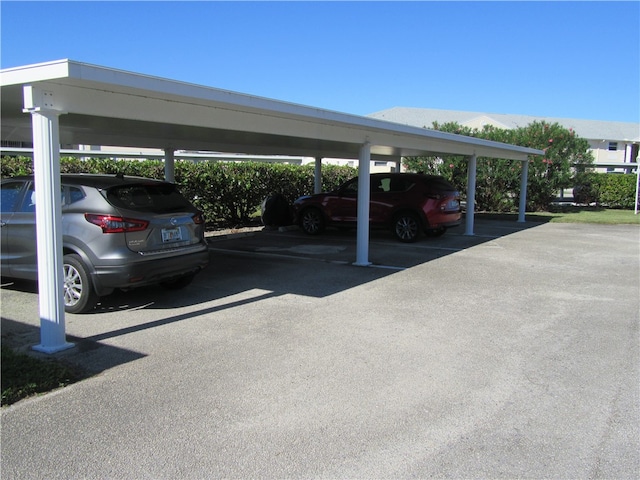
{"x":614,"y":144}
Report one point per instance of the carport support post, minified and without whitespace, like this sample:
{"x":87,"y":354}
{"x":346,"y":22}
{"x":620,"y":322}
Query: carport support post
{"x":471,"y":194}
{"x":46,"y":163}
{"x":364,"y":187}
{"x":317,"y":176}
{"x":523,"y":191}
{"x":635,"y":211}
{"x":169,"y":165}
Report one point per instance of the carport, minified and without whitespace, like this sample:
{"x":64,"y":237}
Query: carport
{"x":71,"y":102}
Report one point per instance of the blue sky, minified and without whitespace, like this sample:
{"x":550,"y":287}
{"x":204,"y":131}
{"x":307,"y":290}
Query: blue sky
{"x":553,"y":59}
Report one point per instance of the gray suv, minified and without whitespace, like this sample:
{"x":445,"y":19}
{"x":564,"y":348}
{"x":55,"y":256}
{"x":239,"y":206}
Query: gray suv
{"x":117,"y":232}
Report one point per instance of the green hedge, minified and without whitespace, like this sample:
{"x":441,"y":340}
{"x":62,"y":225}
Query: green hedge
{"x":228,"y":193}
{"x":609,"y":190}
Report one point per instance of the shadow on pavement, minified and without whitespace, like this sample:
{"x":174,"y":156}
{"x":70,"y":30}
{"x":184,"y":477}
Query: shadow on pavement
{"x":96,"y":358}
{"x":289,"y":261}
{"x":250,"y":268}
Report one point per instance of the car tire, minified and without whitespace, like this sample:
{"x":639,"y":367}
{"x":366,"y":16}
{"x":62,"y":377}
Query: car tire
{"x":178,"y":283}
{"x":79,"y":294}
{"x":406,"y":227}
{"x":312,"y":221}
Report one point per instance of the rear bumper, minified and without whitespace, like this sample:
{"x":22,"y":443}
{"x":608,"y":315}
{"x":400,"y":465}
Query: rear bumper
{"x":445,"y":220}
{"x":148,"y":271}
{"x":451,"y":224}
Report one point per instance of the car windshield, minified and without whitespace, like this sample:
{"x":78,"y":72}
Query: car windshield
{"x":157,"y":198}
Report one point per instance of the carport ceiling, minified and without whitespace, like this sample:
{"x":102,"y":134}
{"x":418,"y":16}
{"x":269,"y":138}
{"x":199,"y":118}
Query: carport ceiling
{"x":103,"y":106}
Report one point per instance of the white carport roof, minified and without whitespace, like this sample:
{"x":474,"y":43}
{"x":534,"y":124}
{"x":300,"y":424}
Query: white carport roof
{"x":76,"y":103}
{"x":103,"y":106}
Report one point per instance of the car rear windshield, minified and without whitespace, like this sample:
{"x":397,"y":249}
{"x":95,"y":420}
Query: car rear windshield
{"x":156,"y":198}
{"x":439,"y":183}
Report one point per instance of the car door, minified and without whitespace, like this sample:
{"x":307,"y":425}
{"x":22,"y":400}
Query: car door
{"x":381,"y":202}
{"x":390,"y":197}
{"x":21,"y":235}
{"x":343,"y":207}
{"x":18,"y":229}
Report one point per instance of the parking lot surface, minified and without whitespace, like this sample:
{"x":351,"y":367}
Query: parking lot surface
{"x":513,"y":353}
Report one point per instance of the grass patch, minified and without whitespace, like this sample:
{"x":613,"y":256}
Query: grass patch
{"x":573,"y":214}
{"x":603,"y":216}
{"x":24,"y":375}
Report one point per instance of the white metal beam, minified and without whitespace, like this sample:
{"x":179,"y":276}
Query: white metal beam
{"x":317,"y":175}
{"x":635,"y":209}
{"x":471,"y":195}
{"x":46,"y":165}
{"x":364,"y":195}
{"x":523,"y":191}
{"x":169,"y":165}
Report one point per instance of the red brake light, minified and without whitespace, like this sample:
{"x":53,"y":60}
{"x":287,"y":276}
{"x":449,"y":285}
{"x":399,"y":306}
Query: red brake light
{"x":113,"y":224}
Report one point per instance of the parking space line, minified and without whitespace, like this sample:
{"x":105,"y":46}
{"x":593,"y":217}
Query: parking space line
{"x":387,"y":267}
{"x":448,"y":249}
{"x":425,"y":247}
{"x":245,"y":253}
{"x":476,"y":235}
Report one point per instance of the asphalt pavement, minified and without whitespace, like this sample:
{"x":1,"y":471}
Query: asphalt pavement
{"x":513,"y":353}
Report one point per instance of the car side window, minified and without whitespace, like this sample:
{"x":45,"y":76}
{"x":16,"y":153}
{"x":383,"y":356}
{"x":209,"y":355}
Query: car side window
{"x":351,"y":188}
{"x":10,"y":196}
{"x":399,"y":185}
{"x":380,"y":184}
{"x":71,"y":195}
{"x":68,"y":195}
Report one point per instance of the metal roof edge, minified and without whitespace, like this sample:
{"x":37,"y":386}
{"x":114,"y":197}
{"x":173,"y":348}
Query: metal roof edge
{"x":37,"y":72}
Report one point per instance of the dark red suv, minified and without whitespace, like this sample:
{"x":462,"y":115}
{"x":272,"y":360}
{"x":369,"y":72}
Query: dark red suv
{"x":407,"y":202}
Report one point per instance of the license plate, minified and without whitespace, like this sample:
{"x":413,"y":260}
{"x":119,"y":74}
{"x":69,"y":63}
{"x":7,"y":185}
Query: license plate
{"x":171,"y":234}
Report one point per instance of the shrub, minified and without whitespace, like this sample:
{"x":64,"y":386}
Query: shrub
{"x":15,"y":166}
{"x":228,"y":193}
{"x":609,"y":190}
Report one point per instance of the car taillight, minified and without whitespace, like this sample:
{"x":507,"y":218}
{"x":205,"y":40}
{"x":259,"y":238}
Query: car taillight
{"x":451,"y":205}
{"x":113,"y":224}
{"x":198,"y":218}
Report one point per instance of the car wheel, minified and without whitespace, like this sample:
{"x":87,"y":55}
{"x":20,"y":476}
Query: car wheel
{"x":436,"y":232}
{"x":406,"y":227}
{"x":178,"y":283}
{"x":312,"y":221}
{"x":79,"y":295}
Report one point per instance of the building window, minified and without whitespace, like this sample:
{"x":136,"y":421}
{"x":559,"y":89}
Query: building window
{"x":613,"y":146}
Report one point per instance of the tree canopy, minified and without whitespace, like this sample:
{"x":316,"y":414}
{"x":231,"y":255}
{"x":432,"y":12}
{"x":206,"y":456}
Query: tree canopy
{"x":563,"y":164}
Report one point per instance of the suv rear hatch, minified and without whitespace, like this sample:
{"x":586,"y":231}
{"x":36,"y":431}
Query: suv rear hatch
{"x":156,"y":218}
